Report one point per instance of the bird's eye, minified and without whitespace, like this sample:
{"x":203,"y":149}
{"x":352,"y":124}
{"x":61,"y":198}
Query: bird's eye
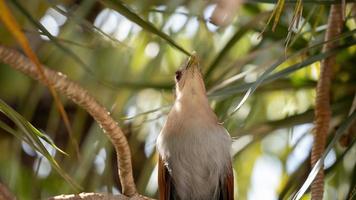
{"x":178,"y":75}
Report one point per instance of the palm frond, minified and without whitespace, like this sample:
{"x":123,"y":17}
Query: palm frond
{"x":33,"y":136}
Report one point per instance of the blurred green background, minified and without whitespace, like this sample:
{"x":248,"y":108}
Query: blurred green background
{"x":130,"y":71}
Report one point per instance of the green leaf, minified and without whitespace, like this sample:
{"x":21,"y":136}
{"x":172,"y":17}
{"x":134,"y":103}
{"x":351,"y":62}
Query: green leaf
{"x":228,"y":91}
{"x":32,"y":136}
{"x":57,"y":43}
{"x":50,"y":36}
{"x":83,"y":22}
{"x":265,"y":75}
{"x":236,"y":37}
{"x":125,"y":11}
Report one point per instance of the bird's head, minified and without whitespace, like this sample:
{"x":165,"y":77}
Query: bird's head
{"x":189,"y":80}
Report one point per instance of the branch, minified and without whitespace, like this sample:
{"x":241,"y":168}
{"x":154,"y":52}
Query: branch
{"x":97,"y":196}
{"x":322,"y":104}
{"x":5,"y":193}
{"x":81,"y":97}
{"x":89,"y":196}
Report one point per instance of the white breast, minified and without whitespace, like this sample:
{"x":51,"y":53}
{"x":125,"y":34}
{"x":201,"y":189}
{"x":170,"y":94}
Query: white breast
{"x":197,"y":155}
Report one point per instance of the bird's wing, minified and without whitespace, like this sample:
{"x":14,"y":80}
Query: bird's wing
{"x":165,"y":182}
{"x":227,"y":188}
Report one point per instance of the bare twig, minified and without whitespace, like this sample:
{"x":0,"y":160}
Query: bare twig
{"x":81,"y":97}
{"x":322,"y":105}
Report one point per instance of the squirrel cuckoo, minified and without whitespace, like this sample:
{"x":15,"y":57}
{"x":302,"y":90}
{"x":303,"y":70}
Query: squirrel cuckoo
{"x":194,"y":149}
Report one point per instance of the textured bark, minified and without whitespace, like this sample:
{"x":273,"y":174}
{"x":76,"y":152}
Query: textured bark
{"x":81,"y":97}
{"x":322,"y":105}
{"x":89,"y":196}
{"x":97,"y":196}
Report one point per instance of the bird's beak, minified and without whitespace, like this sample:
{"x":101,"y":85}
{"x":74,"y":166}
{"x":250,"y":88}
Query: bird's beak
{"x":192,"y":61}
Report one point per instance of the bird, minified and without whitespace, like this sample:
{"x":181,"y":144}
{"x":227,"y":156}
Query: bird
{"x":194,"y":160}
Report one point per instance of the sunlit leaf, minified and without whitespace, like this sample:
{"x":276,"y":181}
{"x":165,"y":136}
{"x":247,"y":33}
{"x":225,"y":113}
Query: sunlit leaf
{"x":310,"y":60}
{"x":230,"y":90}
